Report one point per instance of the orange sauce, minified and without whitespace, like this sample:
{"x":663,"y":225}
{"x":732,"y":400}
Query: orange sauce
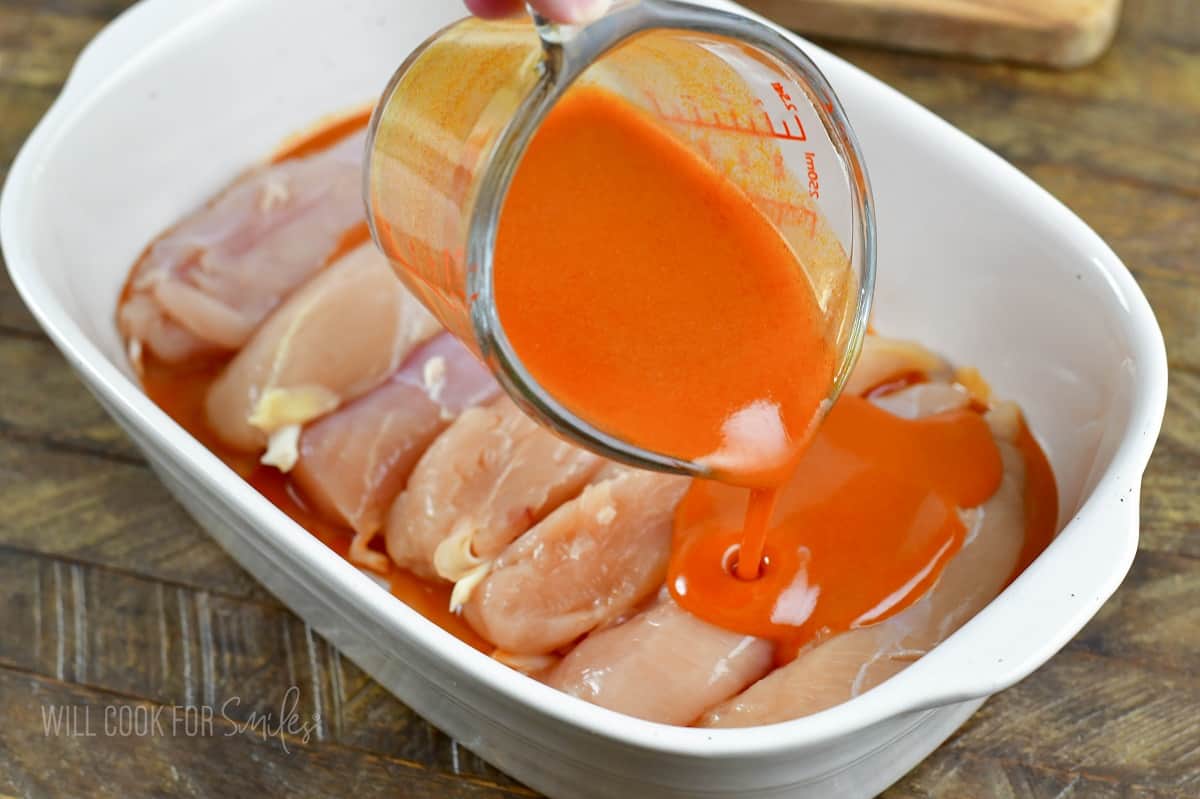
{"x":1041,"y":500}
{"x":323,"y":136}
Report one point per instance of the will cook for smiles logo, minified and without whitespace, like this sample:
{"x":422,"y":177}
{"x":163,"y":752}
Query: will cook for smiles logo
{"x":190,"y":721}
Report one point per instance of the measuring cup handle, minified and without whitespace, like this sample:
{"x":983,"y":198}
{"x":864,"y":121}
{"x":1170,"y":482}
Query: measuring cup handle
{"x":551,"y":33}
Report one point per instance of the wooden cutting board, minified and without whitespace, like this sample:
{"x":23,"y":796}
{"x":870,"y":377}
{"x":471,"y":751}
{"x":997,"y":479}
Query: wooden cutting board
{"x":1058,"y":33}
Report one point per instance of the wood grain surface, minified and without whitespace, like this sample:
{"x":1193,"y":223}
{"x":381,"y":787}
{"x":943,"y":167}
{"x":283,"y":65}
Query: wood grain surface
{"x":111,"y":597}
{"x":1058,"y":33}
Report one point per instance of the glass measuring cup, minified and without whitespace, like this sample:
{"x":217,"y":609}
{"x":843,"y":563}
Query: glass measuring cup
{"x":448,"y":136}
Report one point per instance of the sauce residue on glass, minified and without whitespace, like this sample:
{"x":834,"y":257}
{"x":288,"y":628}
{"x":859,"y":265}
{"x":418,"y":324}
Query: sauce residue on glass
{"x":323,"y":135}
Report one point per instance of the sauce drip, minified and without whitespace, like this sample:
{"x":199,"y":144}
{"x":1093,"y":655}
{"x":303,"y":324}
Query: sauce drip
{"x":862,"y":528}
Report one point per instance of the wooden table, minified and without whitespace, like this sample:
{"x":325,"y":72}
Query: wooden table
{"x":112,"y":597}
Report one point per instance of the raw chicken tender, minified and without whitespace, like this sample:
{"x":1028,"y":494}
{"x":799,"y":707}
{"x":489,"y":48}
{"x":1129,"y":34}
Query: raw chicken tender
{"x":884,"y":359}
{"x":337,"y":338}
{"x":588,"y":563}
{"x":353,"y":462}
{"x":662,"y":665}
{"x":488,"y":478}
{"x":205,"y":285}
{"x":924,"y":399}
{"x":856,"y":661}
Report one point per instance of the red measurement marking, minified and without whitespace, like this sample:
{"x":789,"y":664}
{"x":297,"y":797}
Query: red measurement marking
{"x":784,"y":213}
{"x":790,"y":105}
{"x":814,"y":180}
{"x":768,"y":128}
{"x":784,"y":97}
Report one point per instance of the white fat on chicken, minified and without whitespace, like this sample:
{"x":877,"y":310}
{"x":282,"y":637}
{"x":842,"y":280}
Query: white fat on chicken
{"x":274,"y":193}
{"x":455,"y":560}
{"x":293,"y":406}
{"x":283,"y":448}
{"x":433,"y":376}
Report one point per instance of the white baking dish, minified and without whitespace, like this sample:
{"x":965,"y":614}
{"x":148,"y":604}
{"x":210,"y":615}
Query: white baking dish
{"x":178,"y":95}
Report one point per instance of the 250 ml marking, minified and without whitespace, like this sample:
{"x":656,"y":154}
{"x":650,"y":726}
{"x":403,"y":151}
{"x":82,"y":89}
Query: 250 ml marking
{"x":814,"y":180}
{"x":791,"y":106}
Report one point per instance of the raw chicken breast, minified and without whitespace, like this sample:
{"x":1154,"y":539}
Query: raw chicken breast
{"x":590,"y":562}
{"x":335,"y":339}
{"x":206,"y":284}
{"x":662,"y":665}
{"x":856,"y":661}
{"x":352,"y":463}
{"x":490,"y":477}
